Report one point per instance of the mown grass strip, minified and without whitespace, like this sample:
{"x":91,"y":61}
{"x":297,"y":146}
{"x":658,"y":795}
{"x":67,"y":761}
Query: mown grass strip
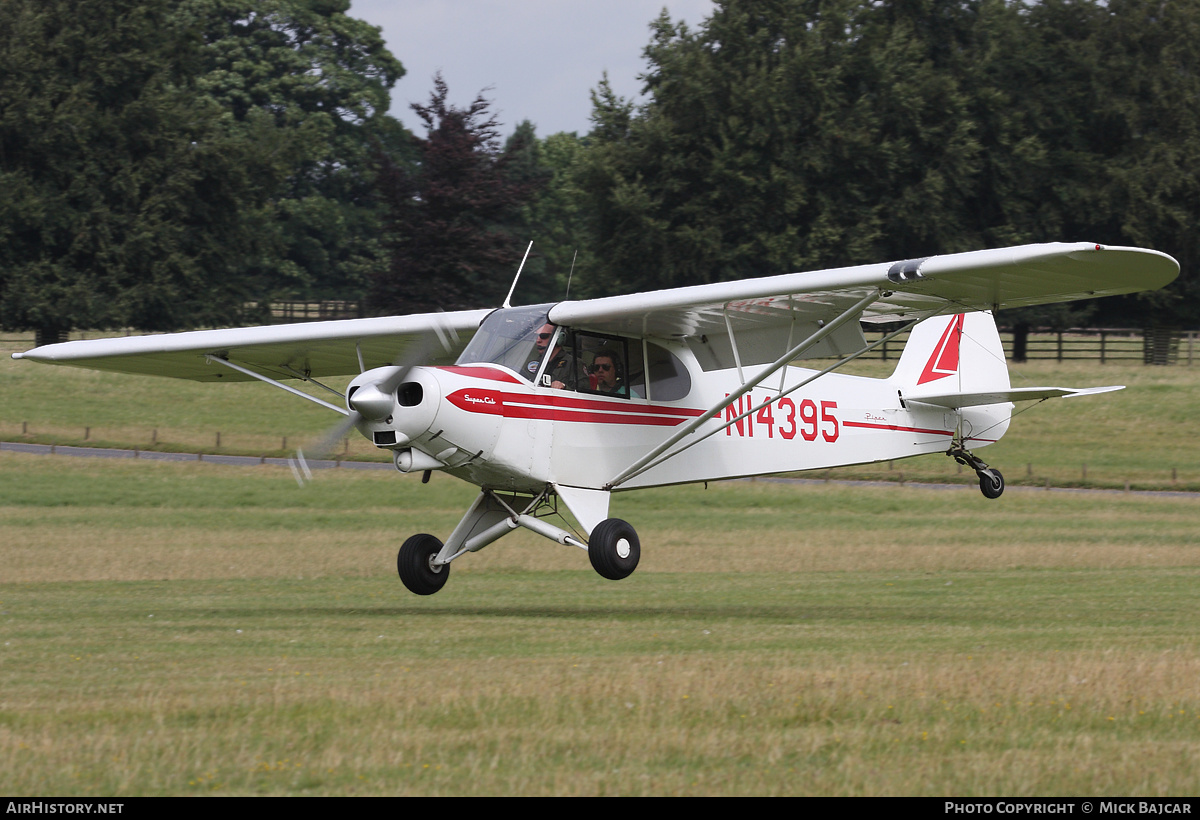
{"x":198,"y":629}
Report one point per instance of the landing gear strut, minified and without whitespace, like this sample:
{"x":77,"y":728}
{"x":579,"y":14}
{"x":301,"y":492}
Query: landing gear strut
{"x":991,"y":482}
{"x":424,"y":561}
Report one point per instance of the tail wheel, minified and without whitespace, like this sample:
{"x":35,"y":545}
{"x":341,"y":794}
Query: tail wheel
{"x":614,"y":549}
{"x":991,"y":483}
{"x":416,"y":567}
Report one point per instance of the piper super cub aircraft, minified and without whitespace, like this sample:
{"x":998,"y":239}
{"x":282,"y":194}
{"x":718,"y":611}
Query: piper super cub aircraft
{"x":577,"y":400}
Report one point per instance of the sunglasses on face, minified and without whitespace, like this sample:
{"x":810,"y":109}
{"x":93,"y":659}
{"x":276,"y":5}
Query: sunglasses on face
{"x":545,"y":335}
{"x":605,"y":367}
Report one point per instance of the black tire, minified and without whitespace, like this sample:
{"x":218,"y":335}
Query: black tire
{"x":614,"y":549}
{"x":991,"y":485}
{"x":413,"y":565}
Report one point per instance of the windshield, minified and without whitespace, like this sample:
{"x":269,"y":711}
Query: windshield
{"x":509,"y":337}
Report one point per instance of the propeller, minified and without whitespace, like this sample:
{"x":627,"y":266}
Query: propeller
{"x":374,"y":401}
{"x":370,"y":402}
{"x":323,"y":447}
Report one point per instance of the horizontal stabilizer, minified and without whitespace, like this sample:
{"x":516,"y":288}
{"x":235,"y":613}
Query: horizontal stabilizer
{"x":957,"y":400}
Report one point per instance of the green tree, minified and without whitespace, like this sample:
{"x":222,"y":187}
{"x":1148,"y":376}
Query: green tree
{"x":323,"y":79}
{"x":1091,"y":134}
{"x":781,"y":136}
{"x":526,"y":165}
{"x":1147,"y":89}
{"x":450,"y":215}
{"x":557,"y":219}
{"x":126,"y":199}
{"x":167,"y":165}
{"x":795,"y":134}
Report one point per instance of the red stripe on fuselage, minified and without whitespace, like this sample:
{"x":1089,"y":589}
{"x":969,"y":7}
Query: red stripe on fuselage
{"x":568,"y":401}
{"x":901,"y":429}
{"x":555,"y":414}
{"x":567,"y":408}
{"x":491,"y":374}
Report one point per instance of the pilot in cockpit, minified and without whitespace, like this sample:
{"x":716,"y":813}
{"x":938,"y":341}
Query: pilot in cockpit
{"x":561,"y":369}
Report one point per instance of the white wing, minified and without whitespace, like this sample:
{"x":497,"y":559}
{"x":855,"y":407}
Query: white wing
{"x":762,"y":313}
{"x":955,"y":283}
{"x":314,"y":349}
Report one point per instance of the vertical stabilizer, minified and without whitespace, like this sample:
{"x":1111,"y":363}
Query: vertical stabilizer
{"x":959,"y":354}
{"x":952,"y":354}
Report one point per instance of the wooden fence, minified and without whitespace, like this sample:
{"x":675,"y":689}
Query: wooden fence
{"x":1162,"y":346}
{"x":283,"y":312}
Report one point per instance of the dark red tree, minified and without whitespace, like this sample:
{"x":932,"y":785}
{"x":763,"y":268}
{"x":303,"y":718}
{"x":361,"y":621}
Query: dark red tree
{"x":450,"y":213}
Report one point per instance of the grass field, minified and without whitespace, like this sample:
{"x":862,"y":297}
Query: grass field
{"x":176,"y":629}
{"x":197,"y":629}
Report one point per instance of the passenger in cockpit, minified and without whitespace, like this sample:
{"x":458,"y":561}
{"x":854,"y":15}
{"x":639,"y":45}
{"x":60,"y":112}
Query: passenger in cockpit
{"x":609,"y":378}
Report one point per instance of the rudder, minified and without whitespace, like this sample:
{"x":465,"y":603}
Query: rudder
{"x":952,"y":354}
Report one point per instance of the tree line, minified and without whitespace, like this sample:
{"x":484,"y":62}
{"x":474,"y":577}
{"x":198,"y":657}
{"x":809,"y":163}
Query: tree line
{"x":176,"y":163}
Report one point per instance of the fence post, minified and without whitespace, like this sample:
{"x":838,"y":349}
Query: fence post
{"x":1160,"y":345}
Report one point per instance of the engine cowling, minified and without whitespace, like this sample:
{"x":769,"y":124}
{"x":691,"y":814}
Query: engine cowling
{"x":438,"y":418}
{"x":393,"y":416}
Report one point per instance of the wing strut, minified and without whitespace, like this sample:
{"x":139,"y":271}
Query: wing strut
{"x":754,"y":409}
{"x":772,"y":399}
{"x":737,"y":357}
{"x":304,"y":377}
{"x":274,"y":383}
{"x":652,"y":458}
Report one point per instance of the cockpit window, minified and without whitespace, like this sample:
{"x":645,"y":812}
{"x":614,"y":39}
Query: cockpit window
{"x":523,"y":340}
{"x":509,"y":337}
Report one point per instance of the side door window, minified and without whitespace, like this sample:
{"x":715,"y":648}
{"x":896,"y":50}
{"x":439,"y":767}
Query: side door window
{"x":612,"y":365}
{"x":667,"y":377}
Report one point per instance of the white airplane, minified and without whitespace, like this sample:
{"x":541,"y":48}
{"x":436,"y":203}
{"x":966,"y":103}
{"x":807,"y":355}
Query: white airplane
{"x":580,"y":399}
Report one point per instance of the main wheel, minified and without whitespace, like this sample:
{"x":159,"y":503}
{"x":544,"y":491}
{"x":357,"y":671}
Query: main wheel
{"x":614,"y":549}
{"x":991,"y":485}
{"x":416,"y":568}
